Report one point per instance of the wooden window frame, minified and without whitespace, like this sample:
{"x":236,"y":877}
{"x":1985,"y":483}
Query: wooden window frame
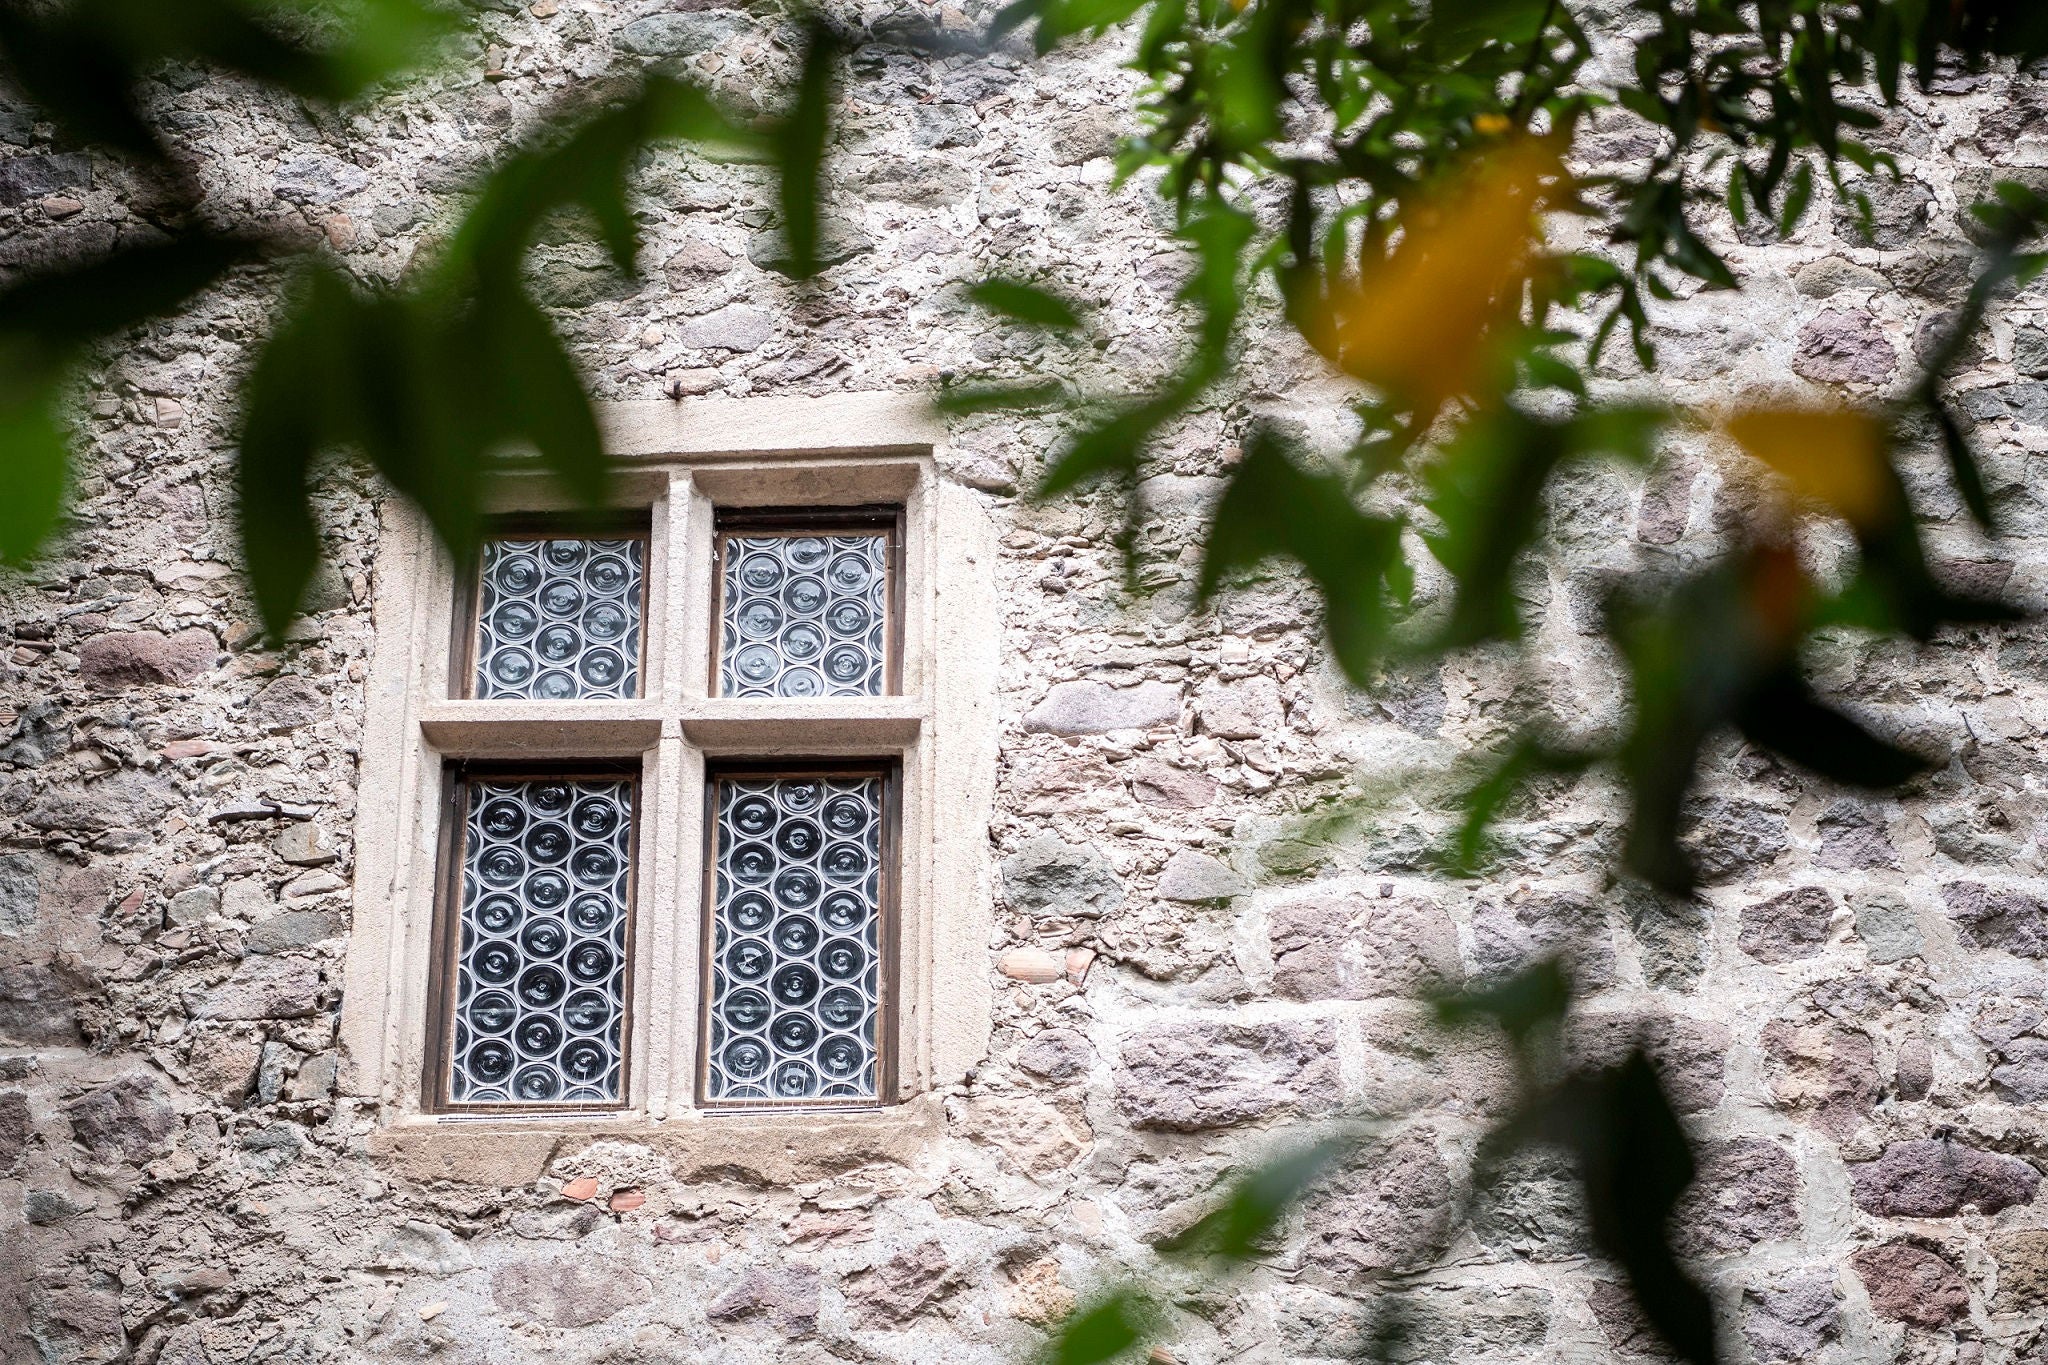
{"x":633,"y":524}
{"x":887,"y":518}
{"x":438,"y":1082}
{"x":890,"y":771}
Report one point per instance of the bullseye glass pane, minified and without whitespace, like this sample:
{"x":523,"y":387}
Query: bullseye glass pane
{"x":804,"y":615}
{"x":559,"y":620}
{"x":540,"y":968}
{"x":796,"y":969}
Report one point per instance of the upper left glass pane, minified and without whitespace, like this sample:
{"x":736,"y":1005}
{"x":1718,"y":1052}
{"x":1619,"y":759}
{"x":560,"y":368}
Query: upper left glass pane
{"x":559,"y":618}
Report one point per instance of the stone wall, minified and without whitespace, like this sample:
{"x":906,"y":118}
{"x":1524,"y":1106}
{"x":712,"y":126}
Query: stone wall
{"x":1853,"y":1016}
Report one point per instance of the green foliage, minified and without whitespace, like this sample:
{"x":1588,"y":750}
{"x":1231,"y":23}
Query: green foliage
{"x":1025,"y":303}
{"x":1101,"y":1332}
{"x":81,"y":61}
{"x":436,"y":384}
{"x":1633,"y":1156}
{"x":1274,"y":507}
{"x":1416,"y":148}
{"x":1635,"y":1161}
{"x":46,"y":324}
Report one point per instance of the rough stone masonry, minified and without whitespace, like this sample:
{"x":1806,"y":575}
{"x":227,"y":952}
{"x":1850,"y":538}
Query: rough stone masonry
{"x":1855,"y":1016}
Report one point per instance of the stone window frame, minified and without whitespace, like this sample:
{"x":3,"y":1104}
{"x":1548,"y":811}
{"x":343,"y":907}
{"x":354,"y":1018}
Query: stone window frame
{"x":681,"y":462}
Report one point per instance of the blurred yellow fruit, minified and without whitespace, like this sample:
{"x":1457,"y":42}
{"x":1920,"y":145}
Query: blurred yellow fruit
{"x":1834,"y":456}
{"x":1418,"y":321}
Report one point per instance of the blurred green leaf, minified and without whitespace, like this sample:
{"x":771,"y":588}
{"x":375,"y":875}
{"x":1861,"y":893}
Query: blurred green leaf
{"x":281,"y":434}
{"x":47,"y":321}
{"x":972,"y":398}
{"x":1531,"y":1001}
{"x":34,"y":465}
{"x":1238,"y":1228}
{"x":802,"y":147}
{"x":1101,"y":1332}
{"x":1484,"y":800}
{"x":69,"y":306}
{"x":81,"y":60}
{"x":1486,"y":491}
{"x":1636,"y":1162}
{"x":1025,"y":303}
{"x":1272,"y":507}
{"x":1781,"y":713}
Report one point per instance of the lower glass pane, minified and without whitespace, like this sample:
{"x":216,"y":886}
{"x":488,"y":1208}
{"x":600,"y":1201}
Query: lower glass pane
{"x":540,"y":967}
{"x":796,"y":951}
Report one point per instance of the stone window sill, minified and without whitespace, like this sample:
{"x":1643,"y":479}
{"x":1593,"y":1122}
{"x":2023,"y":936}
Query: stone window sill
{"x":783,"y":1148}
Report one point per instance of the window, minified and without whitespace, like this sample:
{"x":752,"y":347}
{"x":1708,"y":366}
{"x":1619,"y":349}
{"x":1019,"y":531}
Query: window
{"x":684,"y":819}
{"x":798,"y":942}
{"x":538,"y":932}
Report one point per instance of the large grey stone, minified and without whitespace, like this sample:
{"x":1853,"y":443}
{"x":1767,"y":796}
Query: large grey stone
{"x":1734,"y":837}
{"x":1476,"y":1322}
{"x":20,"y":893}
{"x":1689,"y":1053}
{"x":1169,"y":788}
{"x":76,"y":1324}
{"x":1196,"y":878}
{"x":1789,"y":926}
{"x":1512,"y":933}
{"x":41,"y":732}
{"x":1899,"y":212}
{"x":421,"y":1246}
{"x":295,"y":929}
{"x":1187,"y":1075}
{"x":1388,"y":1209}
{"x":1841,"y":347}
{"x":23,"y":178}
{"x":1532,"y":1205}
{"x":1791,"y":1316}
{"x":1671,"y":935}
{"x":1058,"y":1055}
{"x":1351,"y":946}
{"x":1888,"y":927}
{"x":1829,"y":1070}
{"x":1853,"y":838}
{"x":1999,"y":917}
{"x":1249,"y":708}
{"x":130,"y":1119}
{"x":904,"y":1285}
{"x":679,"y":35}
{"x":120,"y":660}
{"x":2022,"y":1257}
{"x":1093,"y":708}
{"x":262,"y":988}
{"x":39,"y":1003}
{"x":567,"y":1291}
{"x":786,"y":1295}
{"x":318,"y":179}
{"x":735,"y":327}
{"x":17,"y":1126}
{"x":1049,"y":876}
{"x":288,"y":704}
{"x":1938,"y":1178}
{"x":1747,"y":1192}
{"x":126,"y":799}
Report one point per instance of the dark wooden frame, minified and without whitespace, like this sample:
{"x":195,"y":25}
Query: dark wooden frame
{"x":890,"y":771}
{"x":803,"y":521}
{"x":469,"y":588}
{"x":447,"y":936}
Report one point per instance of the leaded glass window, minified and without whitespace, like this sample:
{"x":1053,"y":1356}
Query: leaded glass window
{"x":804,"y":611}
{"x":796,"y":938}
{"x":559,"y":618}
{"x":542,"y":937}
